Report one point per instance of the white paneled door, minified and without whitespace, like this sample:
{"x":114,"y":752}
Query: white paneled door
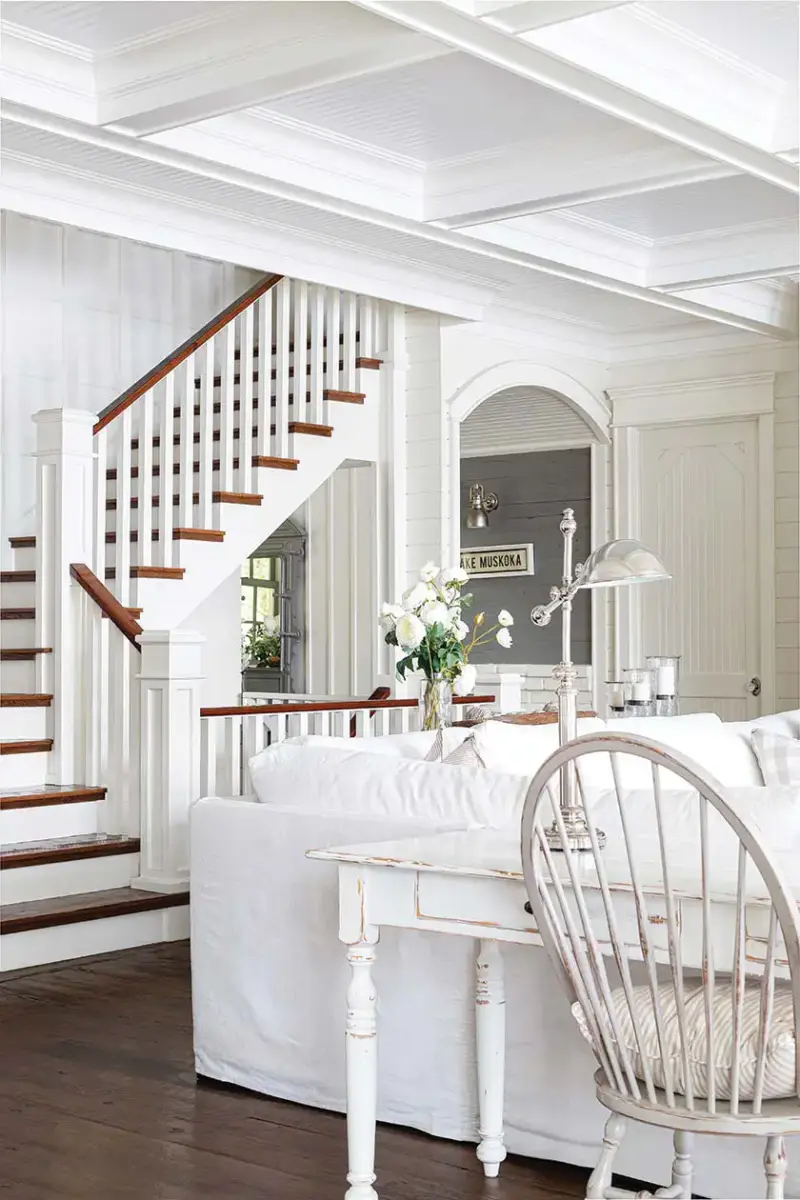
{"x":700,"y":511}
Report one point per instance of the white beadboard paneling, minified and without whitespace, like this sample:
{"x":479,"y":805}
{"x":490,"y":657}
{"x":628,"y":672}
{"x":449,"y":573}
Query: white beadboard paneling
{"x":787,"y":537}
{"x":84,"y":315}
{"x":526,"y":417}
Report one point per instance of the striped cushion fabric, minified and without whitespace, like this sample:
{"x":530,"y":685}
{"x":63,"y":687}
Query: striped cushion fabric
{"x":465,"y":755}
{"x":779,"y":1076}
{"x":778,"y":756}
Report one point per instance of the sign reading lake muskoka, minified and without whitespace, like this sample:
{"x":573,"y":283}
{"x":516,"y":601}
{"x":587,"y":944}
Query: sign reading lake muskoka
{"x":498,"y":560}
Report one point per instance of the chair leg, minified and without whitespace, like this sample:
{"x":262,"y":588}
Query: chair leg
{"x":600,"y":1178}
{"x":775,"y":1167}
{"x":682,"y":1163}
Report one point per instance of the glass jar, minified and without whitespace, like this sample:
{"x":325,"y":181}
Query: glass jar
{"x":638,"y":692}
{"x":435,"y":703}
{"x":615,"y":697}
{"x":666,"y":688}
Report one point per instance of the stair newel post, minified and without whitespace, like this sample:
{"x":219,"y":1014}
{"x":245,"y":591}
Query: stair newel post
{"x":122,"y":556}
{"x":165,"y":477}
{"x":170,"y":749}
{"x":65,"y":530}
{"x":101,"y":503}
{"x":333,"y":325}
{"x":349,"y":345}
{"x":144,"y":511}
{"x":246,"y":393}
{"x":282,"y":342}
{"x":265,"y":325}
{"x":186,"y":480}
{"x":206,"y":437}
{"x":300,"y":340}
{"x":227,"y":337}
{"x":317,"y":374}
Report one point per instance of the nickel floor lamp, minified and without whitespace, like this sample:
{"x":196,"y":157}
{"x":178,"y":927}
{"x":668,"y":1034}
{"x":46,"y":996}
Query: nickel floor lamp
{"x":615,"y":564}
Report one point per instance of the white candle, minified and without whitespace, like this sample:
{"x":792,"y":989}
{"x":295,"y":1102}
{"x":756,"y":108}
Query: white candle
{"x":640,"y":691}
{"x":616,"y":696}
{"x":665,"y":680}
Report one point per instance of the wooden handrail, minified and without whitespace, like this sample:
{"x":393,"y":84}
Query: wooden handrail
{"x":107,"y":602}
{"x":339,"y":706}
{"x":182,"y":353}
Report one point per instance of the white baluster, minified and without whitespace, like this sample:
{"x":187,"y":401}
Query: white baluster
{"x":226,"y":412}
{"x":333,"y":321}
{"x":208,"y":756}
{"x":186,"y":478}
{"x":366,"y":327}
{"x":349,"y":344}
{"x":122,"y":555}
{"x":144,"y":412}
{"x":165,"y":459}
{"x":280,"y":441}
{"x":265,"y":325}
{"x":246,"y":394}
{"x":230,"y":775}
{"x":316,"y":377}
{"x":206,"y":442}
{"x":300,"y":299}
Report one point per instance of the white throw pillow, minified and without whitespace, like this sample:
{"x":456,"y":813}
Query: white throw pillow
{"x":702,"y":737}
{"x":779,"y":757}
{"x":446,"y":740}
{"x":396,"y":745}
{"x":779,"y":1079}
{"x":521,"y":749}
{"x":326,"y":780}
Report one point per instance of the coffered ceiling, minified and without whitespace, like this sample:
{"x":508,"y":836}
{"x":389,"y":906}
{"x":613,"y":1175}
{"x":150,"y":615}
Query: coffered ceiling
{"x":622,"y":172}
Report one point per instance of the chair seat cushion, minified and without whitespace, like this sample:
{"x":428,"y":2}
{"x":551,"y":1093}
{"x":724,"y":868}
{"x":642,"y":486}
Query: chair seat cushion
{"x":779,"y":1075}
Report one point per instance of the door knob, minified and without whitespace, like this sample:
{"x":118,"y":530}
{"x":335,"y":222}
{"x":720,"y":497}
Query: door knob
{"x":754,"y":686}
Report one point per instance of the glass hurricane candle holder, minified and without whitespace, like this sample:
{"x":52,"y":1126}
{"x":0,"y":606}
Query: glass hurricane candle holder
{"x":615,"y":697}
{"x":638,"y":692}
{"x":666,"y":675}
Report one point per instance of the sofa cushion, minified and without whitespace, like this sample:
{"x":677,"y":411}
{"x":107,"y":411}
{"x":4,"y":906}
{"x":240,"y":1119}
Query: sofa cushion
{"x":395,"y":745}
{"x":521,"y":749}
{"x":331,"y":780}
{"x":779,"y":757}
{"x":700,"y":736}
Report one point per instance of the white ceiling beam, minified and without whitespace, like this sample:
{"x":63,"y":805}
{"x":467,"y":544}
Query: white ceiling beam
{"x":511,"y":54}
{"x":475,"y":252}
{"x":724,"y":256}
{"x":759,"y":301}
{"x":536,"y":14}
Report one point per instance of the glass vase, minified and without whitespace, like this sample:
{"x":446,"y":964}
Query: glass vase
{"x":435,"y":703}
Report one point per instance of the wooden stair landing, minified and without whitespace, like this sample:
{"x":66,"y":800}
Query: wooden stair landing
{"x":67,"y":849}
{"x":88,"y":906}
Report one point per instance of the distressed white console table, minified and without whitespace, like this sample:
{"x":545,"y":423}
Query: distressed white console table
{"x":471,"y":884}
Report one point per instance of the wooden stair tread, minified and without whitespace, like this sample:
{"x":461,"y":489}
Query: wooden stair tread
{"x":67,"y":849}
{"x":89,"y":906}
{"x":258,"y":461}
{"x":25,"y":700}
{"x":150,"y":573}
{"x":23,"y":654}
{"x":216,"y":498}
{"x":17,"y":577}
{"x":17,"y":614}
{"x":216,"y":436}
{"x":30,"y":746}
{"x":22,"y":543}
{"x":47,"y":794}
{"x":182,"y":534}
{"x":278,"y":464}
{"x":328,"y":394}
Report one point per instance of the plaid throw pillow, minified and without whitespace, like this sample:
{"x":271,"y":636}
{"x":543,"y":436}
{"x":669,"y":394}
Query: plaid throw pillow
{"x":778,"y":757}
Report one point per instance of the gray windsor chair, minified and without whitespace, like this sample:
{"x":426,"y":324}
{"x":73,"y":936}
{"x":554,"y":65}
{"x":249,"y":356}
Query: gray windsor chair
{"x":679,"y":949}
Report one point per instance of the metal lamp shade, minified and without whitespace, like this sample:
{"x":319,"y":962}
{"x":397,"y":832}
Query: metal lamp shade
{"x":477,"y":519}
{"x":620,"y":562}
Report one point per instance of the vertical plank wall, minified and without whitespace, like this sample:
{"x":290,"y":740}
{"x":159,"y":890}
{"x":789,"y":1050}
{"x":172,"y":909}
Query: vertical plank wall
{"x":787,"y":540}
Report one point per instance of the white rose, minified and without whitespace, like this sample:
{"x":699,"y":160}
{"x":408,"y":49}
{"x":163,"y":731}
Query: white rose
{"x":417,"y":595}
{"x":453,"y":575}
{"x":465,"y":681}
{"x":461,"y":629}
{"x":429,"y":572}
{"x":435,"y":613}
{"x":410,"y":632}
{"x":505,"y":618}
{"x":503,"y":638}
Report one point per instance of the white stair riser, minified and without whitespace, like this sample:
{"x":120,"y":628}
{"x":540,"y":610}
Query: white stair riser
{"x":47,"y":821}
{"x":25,"y":558}
{"x":18,"y":950}
{"x":18,"y":724}
{"x":67,"y":878}
{"x":17,"y":595}
{"x":14,"y":634}
{"x":18,"y":676}
{"x":17,"y":770}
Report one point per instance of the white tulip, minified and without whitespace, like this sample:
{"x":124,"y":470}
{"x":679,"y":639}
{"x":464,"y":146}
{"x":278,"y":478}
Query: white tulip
{"x":465,"y":681}
{"x":435,"y":613}
{"x":504,"y":617}
{"x":410,"y":632}
{"x":417,"y":595}
{"x":461,"y":629}
{"x":503,"y":638}
{"x":429,"y":572}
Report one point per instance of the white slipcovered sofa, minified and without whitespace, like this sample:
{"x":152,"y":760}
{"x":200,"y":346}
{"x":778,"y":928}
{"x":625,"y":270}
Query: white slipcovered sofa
{"x":269,"y":974}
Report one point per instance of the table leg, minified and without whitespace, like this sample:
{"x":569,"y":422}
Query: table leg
{"x":362,"y":1072}
{"x":490,"y":1022}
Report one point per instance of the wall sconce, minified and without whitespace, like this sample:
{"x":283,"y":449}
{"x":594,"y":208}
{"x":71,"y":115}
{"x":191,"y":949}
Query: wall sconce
{"x":480,"y":505}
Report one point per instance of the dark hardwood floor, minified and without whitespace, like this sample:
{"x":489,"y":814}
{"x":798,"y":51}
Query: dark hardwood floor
{"x":98,"y":1101}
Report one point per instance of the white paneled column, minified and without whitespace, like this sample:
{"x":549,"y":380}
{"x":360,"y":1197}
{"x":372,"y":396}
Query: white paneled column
{"x":170,"y":679}
{"x":65,"y":508}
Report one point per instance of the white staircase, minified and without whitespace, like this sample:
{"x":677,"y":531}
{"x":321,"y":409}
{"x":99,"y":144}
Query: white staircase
{"x":184,"y":476}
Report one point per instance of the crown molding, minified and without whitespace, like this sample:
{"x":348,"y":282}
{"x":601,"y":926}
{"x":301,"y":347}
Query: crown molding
{"x":707,"y":399}
{"x":23,"y":33}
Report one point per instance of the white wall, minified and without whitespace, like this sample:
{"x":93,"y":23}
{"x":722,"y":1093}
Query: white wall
{"x":787,"y":539}
{"x":84,"y":316}
{"x":218,"y":619}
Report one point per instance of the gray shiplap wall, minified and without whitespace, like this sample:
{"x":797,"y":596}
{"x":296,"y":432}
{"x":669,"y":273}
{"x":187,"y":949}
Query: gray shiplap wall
{"x":533,"y":489}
